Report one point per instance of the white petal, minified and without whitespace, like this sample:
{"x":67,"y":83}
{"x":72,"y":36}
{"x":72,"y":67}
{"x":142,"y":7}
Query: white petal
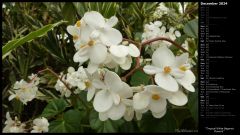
{"x":74,"y":31}
{"x":141,"y":101}
{"x":102,"y":101}
{"x":94,"y":19}
{"x":113,"y":36}
{"x":111,"y":64}
{"x":158,"y":106}
{"x":78,"y":58}
{"x":187,"y":80}
{"x":119,"y":50}
{"x":92,"y":67}
{"x":108,"y":58}
{"x":119,"y":60}
{"x":115,"y":97}
{"x":163,"y":57}
{"x":182,"y":59}
{"x":112,"y":21}
{"x":11,"y":97}
{"x":133,"y":50}
{"x":154,"y":89}
{"x":98,"y":53}
{"x":90,"y":93}
{"x":178,"y":98}
{"x":177,"y":73}
{"x":85,"y":33}
{"x":113,"y":81}
{"x":103,"y":116}
{"x":127,"y":102}
{"x":166,"y":82}
{"x":138,"y":115}
{"x":98,"y":84}
{"x":177,"y":33}
{"x":117,"y":111}
{"x":125,"y":91}
{"x":160,"y":114}
{"x":129,"y":114}
{"x":127,"y":64}
{"x":151,"y":70}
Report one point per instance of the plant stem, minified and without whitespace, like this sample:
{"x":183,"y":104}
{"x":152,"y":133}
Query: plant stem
{"x":55,"y":74}
{"x":166,"y":39}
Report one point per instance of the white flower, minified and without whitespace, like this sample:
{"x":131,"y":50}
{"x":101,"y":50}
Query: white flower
{"x":109,"y":95}
{"x":103,"y":28}
{"x":24,"y":91}
{"x":40,"y":125}
{"x":125,"y":62}
{"x":83,"y":81}
{"x":119,"y":110}
{"x":13,"y":126}
{"x":60,"y":86}
{"x":170,"y":70}
{"x":93,"y":33}
{"x":155,"y":98}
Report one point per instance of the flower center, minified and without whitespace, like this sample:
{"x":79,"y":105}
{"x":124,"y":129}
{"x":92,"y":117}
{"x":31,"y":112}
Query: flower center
{"x":167,"y":69}
{"x":75,"y":37}
{"x":78,"y":23}
{"x":91,"y":42}
{"x":155,"y":97}
{"x":88,"y":84}
{"x":183,"y":68}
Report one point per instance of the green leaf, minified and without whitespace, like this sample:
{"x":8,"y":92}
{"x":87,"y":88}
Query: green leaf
{"x":181,"y":114}
{"x":193,"y":104}
{"x":107,"y":126}
{"x":54,"y":107}
{"x":18,"y":42}
{"x":69,"y":13}
{"x":151,"y":124}
{"x":139,"y":77}
{"x":70,"y":122}
{"x":191,"y":28}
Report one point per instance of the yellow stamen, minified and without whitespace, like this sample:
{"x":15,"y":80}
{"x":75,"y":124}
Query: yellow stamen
{"x":91,"y":43}
{"x":17,"y":97}
{"x":183,"y":68}
{"x":88,"y":84}
{"x":167,"y":69}
{"x":75,"y":37}
{"x":155,"y":97}
{"x":78,"y":23}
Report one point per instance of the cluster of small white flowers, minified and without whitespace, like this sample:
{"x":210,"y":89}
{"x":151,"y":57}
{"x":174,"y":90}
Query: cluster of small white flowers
{"x":13,"y":126}
{"x":156,"y":29}
{"x":96,"y":40}
{"x":160,"y":11}
{"x":25,"y":91}
{"x":16,"y":126}
{"x":40,"y":125}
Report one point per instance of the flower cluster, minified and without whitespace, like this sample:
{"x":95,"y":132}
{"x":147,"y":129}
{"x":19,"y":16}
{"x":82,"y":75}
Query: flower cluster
{"x":97,"y":41}
{"x":160,"y":11}
{"x":156,"y":29}
{"x":16,"y":126}
{"x":25,"y":91}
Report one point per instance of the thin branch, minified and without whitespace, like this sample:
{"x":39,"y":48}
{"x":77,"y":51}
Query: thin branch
{"x":55,"y":74}
{"x":166,"y":39}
